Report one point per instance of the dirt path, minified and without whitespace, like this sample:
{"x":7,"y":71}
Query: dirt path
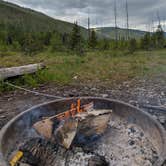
{"x":138,"y":93}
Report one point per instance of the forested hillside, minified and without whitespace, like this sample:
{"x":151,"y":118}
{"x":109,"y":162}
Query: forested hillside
{"x":109,"y":32}
{"x":29,"y":20}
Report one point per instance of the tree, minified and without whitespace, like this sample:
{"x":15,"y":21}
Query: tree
{"x":75,"y":37}
{"x":132,"y":45}
{"x":146,"y":41}
{"x":76,"y":41}
{"x":160,"y":38}
{"x":47,"y":38}
{"x":93,"y":39}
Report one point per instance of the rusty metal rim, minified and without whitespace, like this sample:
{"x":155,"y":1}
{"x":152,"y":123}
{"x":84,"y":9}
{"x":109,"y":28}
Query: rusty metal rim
{"x":159,"y":162}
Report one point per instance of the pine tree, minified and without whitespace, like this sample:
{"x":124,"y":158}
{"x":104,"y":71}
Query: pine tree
{"x":93,"y":39}
{"x":146,"y":41}
{"x":75,"y":37}
{"x":160,"y":38}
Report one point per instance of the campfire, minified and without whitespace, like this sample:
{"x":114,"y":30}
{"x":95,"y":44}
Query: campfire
{"x":83,"y":132}
{"x":80,"y":124}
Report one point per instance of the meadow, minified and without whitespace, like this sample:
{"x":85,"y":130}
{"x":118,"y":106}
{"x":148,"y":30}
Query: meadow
{"x":96,"y":67}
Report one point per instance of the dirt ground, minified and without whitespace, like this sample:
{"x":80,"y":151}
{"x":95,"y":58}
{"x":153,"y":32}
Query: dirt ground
{"x":141,"y":93}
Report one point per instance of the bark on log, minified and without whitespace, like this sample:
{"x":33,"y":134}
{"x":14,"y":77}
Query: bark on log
{"x":6,"y":73}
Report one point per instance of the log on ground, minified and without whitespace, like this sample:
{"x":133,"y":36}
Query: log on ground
{"x":6,"y":73}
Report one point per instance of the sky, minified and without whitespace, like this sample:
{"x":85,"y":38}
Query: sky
{"x":143,"y":14}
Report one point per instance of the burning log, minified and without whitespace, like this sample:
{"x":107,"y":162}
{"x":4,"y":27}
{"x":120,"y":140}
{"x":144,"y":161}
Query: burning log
{"x":93,"y":124}
{"x":83,"y":121}
{"x":45,"y":127}
{"x":65,"y":134}
{"x":6,"y":73}
{"x":85,"y":125}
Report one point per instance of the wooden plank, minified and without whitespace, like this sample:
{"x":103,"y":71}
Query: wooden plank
{"x":6,"y":73}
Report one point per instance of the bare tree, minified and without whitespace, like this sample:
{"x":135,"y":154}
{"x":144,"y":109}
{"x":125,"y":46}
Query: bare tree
{"x":127,"y":16}
{"x":158,"y":17}
{"x":89,"y":31}
{"x":116,"y":27}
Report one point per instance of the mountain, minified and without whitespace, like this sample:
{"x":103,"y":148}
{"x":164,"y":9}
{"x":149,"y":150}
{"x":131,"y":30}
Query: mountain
{"x":30,"y":20}
{"x":11,"y":14}
{"x":109,"y":32}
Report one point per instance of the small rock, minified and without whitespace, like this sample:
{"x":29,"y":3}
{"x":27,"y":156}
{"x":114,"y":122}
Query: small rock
{"x":155,"y":117}
{"x":162,"y":119}
{"x":142,"y":151}
{"x":97,"y":161}
{"x":2,"y":117}
{"x":94,"y":89}
{"x":162,"y":93}
{"x":104,"y":95}
{"x":75,"y":77}
{"x":86,"y":88}
{"x":141,"y":134}
{"x":131,"y":142}
{"x":132,"y":130}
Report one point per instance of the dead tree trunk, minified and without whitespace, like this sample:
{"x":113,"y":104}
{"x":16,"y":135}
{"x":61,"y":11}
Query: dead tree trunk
{"x":6,"y":73}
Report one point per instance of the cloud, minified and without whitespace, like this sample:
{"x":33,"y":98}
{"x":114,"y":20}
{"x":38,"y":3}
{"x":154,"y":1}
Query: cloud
{"x":141,"y":12}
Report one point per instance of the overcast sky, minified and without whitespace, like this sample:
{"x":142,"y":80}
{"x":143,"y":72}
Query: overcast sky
{"x":141,"y":12}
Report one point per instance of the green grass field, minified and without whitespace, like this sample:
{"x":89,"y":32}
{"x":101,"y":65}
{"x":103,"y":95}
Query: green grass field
{"x":105,"y":67}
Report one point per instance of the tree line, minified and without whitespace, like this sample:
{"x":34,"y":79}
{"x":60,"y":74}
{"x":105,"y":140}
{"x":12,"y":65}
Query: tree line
{"x":18,"y":38}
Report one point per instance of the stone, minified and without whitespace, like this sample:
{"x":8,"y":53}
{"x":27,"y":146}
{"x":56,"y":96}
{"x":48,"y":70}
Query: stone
{"x":105,"y":95}
{"x":162,"y":119}
{"x":132,"y":130}
{"x":97,"y":161}
{"x":2,"y":117}
{"x":141,"y":134}
{"x":94,"y":89}
{"x":131,"y":142}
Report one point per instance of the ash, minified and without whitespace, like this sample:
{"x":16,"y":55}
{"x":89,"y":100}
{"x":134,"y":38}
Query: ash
{"x":125,"y":144}
{"x":122,"y":144}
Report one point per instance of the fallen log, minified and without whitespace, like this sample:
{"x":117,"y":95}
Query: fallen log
{"x":6,"y":73}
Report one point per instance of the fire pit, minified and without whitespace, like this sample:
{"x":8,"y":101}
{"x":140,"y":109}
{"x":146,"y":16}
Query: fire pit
{"x":132,"y":136}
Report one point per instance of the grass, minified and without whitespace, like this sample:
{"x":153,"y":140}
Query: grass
{"x":105,"y":67}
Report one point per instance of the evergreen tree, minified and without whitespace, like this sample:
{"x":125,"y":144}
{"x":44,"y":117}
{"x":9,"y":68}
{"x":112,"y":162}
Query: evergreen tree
{"x":93,"y":39}
{"x":76,"y":41}
{"x":153,"y":40}
{"x":146,"y":41}
{"x":75,"y":37}
{"x":47,"y":38}
{"x":160,"y":38}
